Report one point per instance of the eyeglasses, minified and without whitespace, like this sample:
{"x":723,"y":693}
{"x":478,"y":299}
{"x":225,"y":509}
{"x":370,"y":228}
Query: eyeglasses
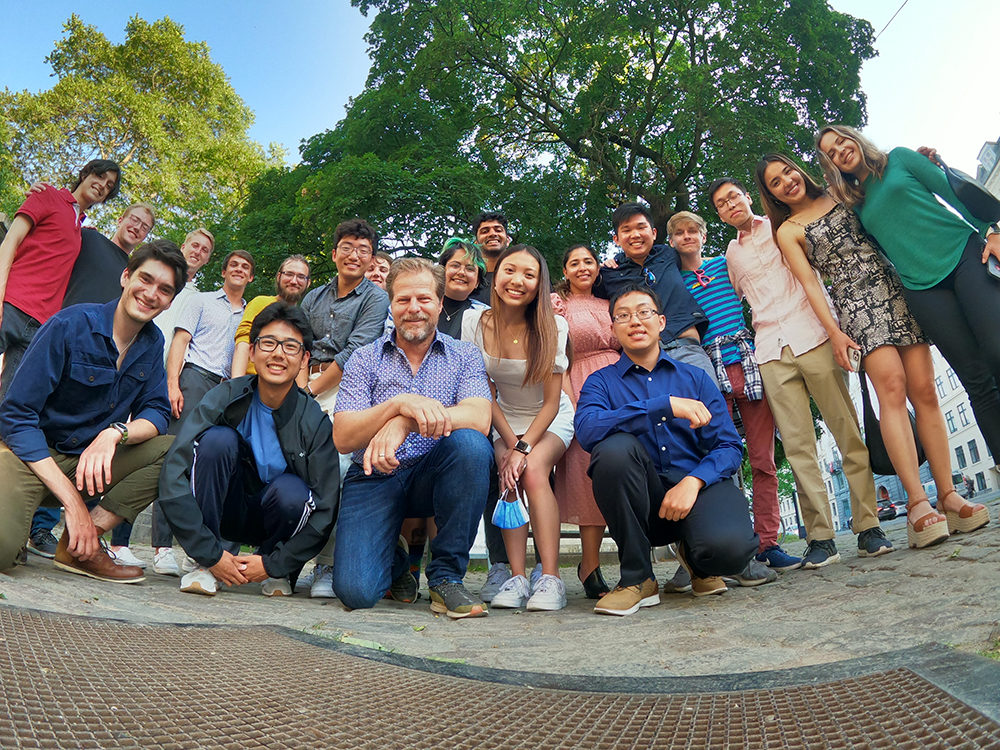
{"x":643,"y":313}
{"x":729,"y":201}
{"x":136,"y":221}
{"x":297,"y":276}
{"x":348,"y":250}
{"x":291,"y":347}
{"x":702,"y":278}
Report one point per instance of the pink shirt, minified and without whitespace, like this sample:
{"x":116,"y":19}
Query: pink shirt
{"x":782,"y":315}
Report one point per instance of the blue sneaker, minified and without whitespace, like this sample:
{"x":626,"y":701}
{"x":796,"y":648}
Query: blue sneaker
{"x":777,"y":559}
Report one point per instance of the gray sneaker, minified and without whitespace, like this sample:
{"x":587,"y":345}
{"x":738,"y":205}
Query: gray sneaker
{"x":754,"y":574}
{"x":497,"y":576}
{"x":872,"y":543}
{"x":680,"y":583}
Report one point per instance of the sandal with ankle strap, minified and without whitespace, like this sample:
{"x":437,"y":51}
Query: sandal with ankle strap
{"x":920,"y":533}
{"x":969,"y":518}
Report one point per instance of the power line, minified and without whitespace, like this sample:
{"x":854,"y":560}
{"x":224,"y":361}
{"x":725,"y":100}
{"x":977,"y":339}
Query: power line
{"x":891,"y":19}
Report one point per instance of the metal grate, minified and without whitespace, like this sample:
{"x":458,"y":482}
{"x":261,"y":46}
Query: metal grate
{"x":82,"y":683}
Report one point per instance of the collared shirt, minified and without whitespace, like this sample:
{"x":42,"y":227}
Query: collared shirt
{"x":662,"y":273}
{"x":342,"y":325}
{"x":44,"y":261}
{"x":166,"y":321}
{"x":68,"y":389}
{"x":625,"y":397}
{"x":451,"y":372}
{"x":782,"y":315}
{"x":212,"y":322}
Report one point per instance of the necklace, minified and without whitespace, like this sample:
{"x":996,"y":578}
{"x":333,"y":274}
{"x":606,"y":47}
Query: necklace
{"x":124,"y":351}
{"x":518,"y":336}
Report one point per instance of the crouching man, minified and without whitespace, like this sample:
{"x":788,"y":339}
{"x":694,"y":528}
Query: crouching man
{"x":414,"y":408}
{"x":662,"y":450}
{"x":65,"y":424}
{"x":255,"y":463}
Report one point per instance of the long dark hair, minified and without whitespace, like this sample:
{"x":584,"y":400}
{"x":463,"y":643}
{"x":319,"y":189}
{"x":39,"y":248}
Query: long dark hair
{"x":775,"y":210}
{"x":562,"y":287}
{"x":542,"y":334}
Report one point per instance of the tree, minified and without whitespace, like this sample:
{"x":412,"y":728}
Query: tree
{"x":157,"y":105}
{"x":648,"y":100}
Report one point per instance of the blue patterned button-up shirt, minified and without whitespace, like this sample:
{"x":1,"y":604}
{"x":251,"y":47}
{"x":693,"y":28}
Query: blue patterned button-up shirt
{"x":451,"y":372}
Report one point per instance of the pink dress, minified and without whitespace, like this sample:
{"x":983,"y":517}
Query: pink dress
{"x":594,"y":346}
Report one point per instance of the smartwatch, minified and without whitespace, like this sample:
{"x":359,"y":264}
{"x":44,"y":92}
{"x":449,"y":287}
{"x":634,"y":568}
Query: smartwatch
{"x":522,"y":447}
{"x":120,"y":426}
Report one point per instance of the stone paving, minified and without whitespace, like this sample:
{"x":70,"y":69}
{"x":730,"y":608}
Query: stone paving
{"x":861,"y":607}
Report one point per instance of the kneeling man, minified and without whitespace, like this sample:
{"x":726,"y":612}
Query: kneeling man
{"x":255,"y":463}
{"x":662,"y":450}
{"x":414,"y":407}
{"x":85,"y":415}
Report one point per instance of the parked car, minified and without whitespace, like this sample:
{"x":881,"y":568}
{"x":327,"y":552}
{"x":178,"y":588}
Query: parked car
{"x":959,"y":481}
{"x":886,"y":510}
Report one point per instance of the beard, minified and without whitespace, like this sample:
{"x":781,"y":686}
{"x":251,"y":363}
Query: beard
{"x":416,"y":335}
{"x":291,"y":298}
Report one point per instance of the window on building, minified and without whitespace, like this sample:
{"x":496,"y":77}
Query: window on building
{"x":973,"y":452}
{"x":950,"y":419}
{"x":962,"y":416}
{"x":939,"y":382}
{"x":952,"y":379}
{"x":980,"y":481}
{"x":960,"y":455}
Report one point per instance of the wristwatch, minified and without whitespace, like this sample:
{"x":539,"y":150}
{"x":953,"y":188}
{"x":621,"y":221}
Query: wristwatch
{"x":522,"y":447}
{"x":120,"y":426}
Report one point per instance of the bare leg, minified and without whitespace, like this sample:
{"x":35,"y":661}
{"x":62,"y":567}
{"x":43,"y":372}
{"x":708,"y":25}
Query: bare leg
{"x":104,"y":519}
{"x":542,"y":506}
{"x":590,"y":540}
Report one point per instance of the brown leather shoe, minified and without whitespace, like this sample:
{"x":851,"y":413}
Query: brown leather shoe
{"x":103,"y":567}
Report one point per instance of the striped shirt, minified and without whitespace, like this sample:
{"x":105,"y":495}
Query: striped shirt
{"x":713,"y":292}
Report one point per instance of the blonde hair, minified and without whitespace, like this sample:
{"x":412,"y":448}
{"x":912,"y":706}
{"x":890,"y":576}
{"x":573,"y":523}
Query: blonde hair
{"x":686,"y":217}
{"x":145,"y":207}
{"x":200,"y":230}
{"x":845,"y":187}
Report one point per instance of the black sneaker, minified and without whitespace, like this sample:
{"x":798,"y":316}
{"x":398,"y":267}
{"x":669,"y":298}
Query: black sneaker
{"x":454,"y":600}
{"x":404,"y":588}
{"x":820,"y":553}
{"x":872,"y":543}
{"x":43,"y":543}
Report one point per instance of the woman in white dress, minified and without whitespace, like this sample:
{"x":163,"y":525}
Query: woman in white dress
{"x":524,"y":347}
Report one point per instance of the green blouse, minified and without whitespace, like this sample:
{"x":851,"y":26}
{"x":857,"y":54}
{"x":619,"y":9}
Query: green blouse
{"x":923,"y":238}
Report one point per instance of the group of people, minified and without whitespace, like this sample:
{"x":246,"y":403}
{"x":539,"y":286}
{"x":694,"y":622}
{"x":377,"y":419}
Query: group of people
{"x":402,"y":402}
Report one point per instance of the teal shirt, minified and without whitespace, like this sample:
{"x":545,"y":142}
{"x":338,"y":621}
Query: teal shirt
{"x":922,"y":238}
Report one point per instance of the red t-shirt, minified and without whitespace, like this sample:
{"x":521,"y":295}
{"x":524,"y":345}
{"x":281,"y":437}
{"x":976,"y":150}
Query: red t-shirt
{"x":44,"y":261}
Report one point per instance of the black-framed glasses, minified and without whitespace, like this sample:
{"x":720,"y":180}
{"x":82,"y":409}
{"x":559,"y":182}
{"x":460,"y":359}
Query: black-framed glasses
{"x":643,"y":313}
{"x":291,"y":347}
{"x":292,"y":275}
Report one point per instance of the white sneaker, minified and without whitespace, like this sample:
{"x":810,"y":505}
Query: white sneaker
{"x":304,"y":583}
{"x":276,"y":587}
{"x":513,"y":594}
{"x":536,"y":575}
{"x":124,"y":556}
{"x":550,"y":594}
{"x":187,"y":563}
{"x":497,"y":576}
{"x":322,"y":584}
{"x":199,"y":581}
{"x":164,"y":562}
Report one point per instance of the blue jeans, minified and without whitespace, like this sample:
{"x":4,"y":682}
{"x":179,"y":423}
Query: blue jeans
{"x":449,"y":483}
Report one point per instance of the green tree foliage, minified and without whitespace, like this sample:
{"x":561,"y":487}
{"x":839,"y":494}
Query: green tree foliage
{"x":644,"y":100}
{"x":157,"y":105}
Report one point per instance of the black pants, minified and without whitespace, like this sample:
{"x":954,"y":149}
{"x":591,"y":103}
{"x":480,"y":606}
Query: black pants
{"x":241,"y":508}
{"x":718,"y":535}
{"x":961,"y":315}
{"x":16,"y":331}
{"x":495,"y":546}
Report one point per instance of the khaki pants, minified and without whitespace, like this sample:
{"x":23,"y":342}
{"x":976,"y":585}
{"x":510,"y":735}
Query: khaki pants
{"x":135,"y":474}
{"x":789,"y":382}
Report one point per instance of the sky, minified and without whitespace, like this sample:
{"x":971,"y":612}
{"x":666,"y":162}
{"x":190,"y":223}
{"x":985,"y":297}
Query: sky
{"x":296,"y":64}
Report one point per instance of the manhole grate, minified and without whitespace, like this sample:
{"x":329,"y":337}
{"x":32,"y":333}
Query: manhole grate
{"x":81,"y":683}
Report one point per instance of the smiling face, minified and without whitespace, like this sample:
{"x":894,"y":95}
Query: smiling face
{"x":293,"y":280}
{"x":277,"y":367}
{"x":353,"y":257}
{"x":688,"y":239}
{"x":415,"y":306}
{"x":148,"y":291}
{"x":580,"y":271}
{"x":197,"y":250}
{"x":733,"y":205}
{"x":133,"y":227}
{"x":460,"y":276}
{"x":638,"y":337}
{"x":377,"y":272}
{"x":492,"y":238}
{"x":635,"y":237}
{"x":844,"y":152}
{"x":785,"y":183}
{"x":516,"y":279}
{"x":95,"y":188}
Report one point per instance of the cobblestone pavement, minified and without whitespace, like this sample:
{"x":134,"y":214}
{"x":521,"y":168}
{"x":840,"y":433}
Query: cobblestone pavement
{"x":860,"y":607}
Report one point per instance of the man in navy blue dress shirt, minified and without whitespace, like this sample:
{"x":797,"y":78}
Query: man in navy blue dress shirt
{"x":85,"y":415}
{"x":663,"y":449}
